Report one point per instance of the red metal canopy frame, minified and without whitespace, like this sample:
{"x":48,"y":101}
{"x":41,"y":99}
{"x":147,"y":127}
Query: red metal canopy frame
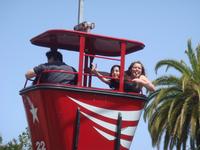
{"x":98,"y":44}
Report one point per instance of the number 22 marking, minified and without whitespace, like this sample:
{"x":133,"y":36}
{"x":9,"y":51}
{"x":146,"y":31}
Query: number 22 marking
{"x":40,"y":145}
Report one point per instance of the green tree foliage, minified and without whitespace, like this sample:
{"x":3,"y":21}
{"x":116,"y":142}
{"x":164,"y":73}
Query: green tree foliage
{"x":173,"y":111}
{"x":22,"y":143}
{"x":1,"y":139}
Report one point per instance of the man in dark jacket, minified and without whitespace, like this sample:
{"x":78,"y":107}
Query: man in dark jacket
{"x":49,"y":72}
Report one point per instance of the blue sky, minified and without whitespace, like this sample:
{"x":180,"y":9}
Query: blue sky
{"x":163,"y":26}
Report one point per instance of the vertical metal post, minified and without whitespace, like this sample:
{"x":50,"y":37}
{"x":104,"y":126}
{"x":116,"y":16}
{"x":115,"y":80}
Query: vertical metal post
{"x":85,"y":70}
{"x":118,"y":133}
{"x":80,"y":11}
{"x":90,"y":76}
{"x":122,"y":64}
{"x":77,"y":128}
{"x":81,"y":60}
{"x":26,"y":83}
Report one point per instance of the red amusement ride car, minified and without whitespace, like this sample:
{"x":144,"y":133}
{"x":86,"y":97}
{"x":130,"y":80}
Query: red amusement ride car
{"x":81,"y":117}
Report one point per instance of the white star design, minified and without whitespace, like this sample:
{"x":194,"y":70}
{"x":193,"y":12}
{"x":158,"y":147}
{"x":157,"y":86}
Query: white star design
{"x":33,"y":110}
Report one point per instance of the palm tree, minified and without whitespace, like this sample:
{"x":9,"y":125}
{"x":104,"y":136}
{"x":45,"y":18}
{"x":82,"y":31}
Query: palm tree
{"x":173,"y":111}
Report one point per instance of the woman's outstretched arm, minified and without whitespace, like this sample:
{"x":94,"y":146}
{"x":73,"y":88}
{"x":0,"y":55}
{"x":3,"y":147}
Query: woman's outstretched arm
{"x":99,"y":75}
{"x":144,"y":81}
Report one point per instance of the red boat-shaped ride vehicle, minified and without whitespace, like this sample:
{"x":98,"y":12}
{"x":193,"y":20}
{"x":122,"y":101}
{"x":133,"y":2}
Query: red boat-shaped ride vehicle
{"x":82,"y":117}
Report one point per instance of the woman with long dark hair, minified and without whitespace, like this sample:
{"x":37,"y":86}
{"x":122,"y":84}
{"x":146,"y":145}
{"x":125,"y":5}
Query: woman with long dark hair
{"x":135,"y":78}
{"x":113,"y":82}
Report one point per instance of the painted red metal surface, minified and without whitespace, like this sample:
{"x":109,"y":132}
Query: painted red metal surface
{"x":81,"y":54}
{"x":94,"y":43}
{"x":51,"y":116}
{"x":122,"y":63}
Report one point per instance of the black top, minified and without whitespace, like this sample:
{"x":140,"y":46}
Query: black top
{"x":128,"y":86}
{"x":131,"y":87}
{"x":114,"y":84}
{"x":55,"y":77}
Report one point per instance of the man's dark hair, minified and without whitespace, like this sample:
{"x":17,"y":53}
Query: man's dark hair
{"x":57,"y":56}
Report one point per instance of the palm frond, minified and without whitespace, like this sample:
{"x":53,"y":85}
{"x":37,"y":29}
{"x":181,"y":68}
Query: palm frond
{"x":167,"y":140}
{"x":174,"y":111}
{"x":193,"y":122}
{"x":179,"y":66}
{"x":174,"y":114}
{"x":194,"y":59}
{"x":169,"y":80}
{"x":198,"y":55}
{"x":184,"y":114}
{"x":158,"y":123}
{"x":191,"y":55}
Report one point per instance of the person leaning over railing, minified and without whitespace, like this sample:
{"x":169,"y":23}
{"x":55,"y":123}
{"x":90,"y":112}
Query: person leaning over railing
{"x":135,"y":78}
{"x":113,"y":82}
{"x":54,"y":62}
